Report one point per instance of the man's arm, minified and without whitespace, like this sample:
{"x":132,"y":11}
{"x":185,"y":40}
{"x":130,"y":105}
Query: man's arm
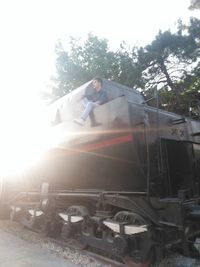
{"x":103,"y":98}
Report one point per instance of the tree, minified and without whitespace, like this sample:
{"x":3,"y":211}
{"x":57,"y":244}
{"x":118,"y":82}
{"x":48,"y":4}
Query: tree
{"x":195,"y":4}
{"x":168,"y":60}
{"x":93,"y":58}
{"x":169,"y":64}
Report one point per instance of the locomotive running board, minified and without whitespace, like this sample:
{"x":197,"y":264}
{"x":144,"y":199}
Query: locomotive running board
{"x":125,"y":229}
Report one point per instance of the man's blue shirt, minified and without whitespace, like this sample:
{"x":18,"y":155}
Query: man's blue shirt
{"x":100,"y":96}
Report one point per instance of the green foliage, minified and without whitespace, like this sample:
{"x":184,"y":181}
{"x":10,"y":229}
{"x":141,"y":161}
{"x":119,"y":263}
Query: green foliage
{"x":93,"y":58}
{"x":168,"y":65}
{"x":195,"y":4}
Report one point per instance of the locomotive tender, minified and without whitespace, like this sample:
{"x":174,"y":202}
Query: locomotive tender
{"x":127,"y":182}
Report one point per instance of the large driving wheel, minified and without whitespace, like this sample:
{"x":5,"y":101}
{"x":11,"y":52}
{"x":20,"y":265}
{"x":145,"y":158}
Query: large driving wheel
{"x":141,"y":251}
{"x":32,"y":219}
{"x":70,"y":230}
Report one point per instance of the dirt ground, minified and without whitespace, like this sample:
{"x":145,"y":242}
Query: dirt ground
{"x":72,"y":256}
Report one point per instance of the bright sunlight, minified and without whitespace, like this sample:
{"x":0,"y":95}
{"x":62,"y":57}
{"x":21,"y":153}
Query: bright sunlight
{"x":29,"y":30}
{"x":23,"y":132}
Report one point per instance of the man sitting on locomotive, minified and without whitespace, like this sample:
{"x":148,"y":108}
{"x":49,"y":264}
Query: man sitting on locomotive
{"x":98,"y":98}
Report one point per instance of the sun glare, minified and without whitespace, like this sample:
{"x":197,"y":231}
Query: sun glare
{"x":29,"y":30}
{"x":23,"y":132}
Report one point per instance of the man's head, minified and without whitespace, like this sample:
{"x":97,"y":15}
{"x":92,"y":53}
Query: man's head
{"x":97,"y":83}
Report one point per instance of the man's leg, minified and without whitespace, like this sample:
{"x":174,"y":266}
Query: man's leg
{"x":89,"y":107}
{"x":85,"y":102}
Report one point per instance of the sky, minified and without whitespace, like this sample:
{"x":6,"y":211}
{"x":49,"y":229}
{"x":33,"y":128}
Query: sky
{"x":29,"y":30}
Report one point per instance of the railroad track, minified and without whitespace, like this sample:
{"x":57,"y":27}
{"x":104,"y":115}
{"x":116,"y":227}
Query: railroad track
{"x":79,"y":247}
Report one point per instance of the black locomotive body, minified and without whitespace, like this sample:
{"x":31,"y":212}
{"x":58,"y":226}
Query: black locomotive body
{"x":127,"y":182}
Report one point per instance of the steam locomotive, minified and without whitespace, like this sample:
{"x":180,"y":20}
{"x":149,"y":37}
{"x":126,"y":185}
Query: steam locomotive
{"x":126,"y":183}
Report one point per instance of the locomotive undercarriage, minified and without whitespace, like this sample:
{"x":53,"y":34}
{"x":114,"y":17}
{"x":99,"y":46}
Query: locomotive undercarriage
{"x":124,"y":226}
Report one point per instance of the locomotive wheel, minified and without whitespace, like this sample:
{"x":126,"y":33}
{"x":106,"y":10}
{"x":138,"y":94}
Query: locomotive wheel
{"x":193,"y":251}
{"x":14,"y":216}
{"x":70,"y":230}
{"x":142,"y":254}
{"x":78,"y":210}
{"x":28,"y":220}
{"x":51,"y":228}
{"x":31,"y":221}
{"x":191,"y":239}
